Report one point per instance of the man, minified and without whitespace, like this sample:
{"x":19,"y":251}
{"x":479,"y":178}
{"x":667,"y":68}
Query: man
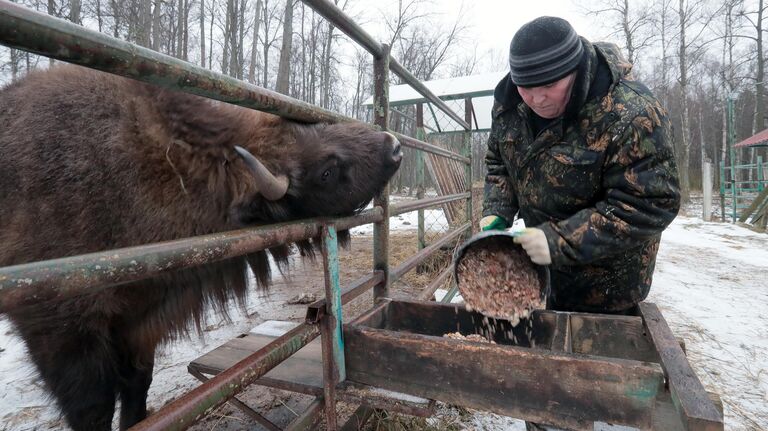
{"x":583,"y":154}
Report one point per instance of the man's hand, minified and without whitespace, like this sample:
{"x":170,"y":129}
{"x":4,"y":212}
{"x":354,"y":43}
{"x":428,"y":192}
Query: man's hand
{"x":535,"y":244}
{"x":493,"y":222}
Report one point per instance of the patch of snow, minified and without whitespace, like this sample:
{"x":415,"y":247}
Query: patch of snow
{"x":440,"y":294}
{"x":274,"y":328}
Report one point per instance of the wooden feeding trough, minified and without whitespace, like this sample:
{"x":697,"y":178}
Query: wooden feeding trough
{"x":569,"y":370}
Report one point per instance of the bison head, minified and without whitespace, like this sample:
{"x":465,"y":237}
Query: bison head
{"x":333,"y":170}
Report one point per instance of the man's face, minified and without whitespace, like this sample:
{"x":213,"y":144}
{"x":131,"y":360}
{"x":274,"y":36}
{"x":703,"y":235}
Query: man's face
{"x":549,"y":101}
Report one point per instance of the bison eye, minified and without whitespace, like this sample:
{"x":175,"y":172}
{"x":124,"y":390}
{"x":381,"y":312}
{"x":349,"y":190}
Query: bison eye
{"x":326,"y":174}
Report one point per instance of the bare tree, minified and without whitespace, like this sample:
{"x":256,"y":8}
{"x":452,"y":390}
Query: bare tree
{"x":252,"y":64}
{"x":285,"y":53}
{"x":202,"y":33}
{"x":631,"y":23}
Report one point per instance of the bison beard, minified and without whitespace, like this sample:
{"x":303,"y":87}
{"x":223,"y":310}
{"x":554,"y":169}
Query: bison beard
{"x":94,"y":162}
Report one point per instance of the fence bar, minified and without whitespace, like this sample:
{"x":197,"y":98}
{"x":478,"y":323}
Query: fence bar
{"x":337,"y":17}
{"x":722,"y":191}
{"x":405,"y":207}
{"x":33,"y":282}
{"x":185,"y":411}
{"x":381,"y":119}
{"x":419,"y":257}
{"x":412,"y":119}
{"x":316,"y":310}
{"x":468,"y":153}
{"x":332,"y":343}
{"x":420,"y":186}
{"x":434,"y":149}
{"x":429,"y":292}
{"x":36,"y":32}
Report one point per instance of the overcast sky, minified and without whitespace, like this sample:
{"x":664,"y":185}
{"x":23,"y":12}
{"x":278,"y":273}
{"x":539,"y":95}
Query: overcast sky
{"x":492,"y":22}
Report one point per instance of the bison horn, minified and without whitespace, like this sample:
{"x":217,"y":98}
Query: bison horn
{"x":270,"y":186}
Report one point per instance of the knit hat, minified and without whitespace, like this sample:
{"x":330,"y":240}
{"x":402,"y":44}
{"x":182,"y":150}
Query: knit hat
{"x":543,"y":51}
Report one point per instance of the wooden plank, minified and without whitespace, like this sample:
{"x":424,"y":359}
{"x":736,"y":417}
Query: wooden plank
{"x":561,"y":331}
{"x":308,"y":419}
{"x":303,"y":370}
{"x":567,"y":391}
{"x":691,"y":401}
{"x":611,"y":336}
{"x":666,"y":416}
{"x":358,"y":394}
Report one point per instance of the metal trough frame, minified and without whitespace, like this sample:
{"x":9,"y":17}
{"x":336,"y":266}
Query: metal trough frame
{"x":585,"y":368}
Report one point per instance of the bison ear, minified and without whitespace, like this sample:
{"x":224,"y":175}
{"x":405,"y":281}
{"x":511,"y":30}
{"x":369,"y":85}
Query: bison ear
{"x":270,"y":186}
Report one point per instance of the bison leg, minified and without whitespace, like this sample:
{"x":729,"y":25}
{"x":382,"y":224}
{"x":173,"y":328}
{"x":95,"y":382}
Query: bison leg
{"x":84,"y":389}
{"x":133,"y":391}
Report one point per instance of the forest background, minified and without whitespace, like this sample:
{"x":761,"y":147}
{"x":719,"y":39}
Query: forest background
{"x":695,"y":55}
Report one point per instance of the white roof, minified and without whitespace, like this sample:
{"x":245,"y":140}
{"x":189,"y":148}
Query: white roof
{"x":452,"y":91}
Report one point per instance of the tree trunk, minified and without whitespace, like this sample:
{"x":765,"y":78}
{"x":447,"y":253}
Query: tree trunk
{"x":284,"y":69}
{"x":180,"y":31}
{"x":760,"y":86}
{"x":144,"y":27}
{"x":267,"y":45}
{"x":157,"y":25}
{"x":52,"y":12}
{"x":685,"y":119}
{"x":326,"y":83}
{"x":14,"y":64}
{"x":225,"y":61}
{"x":116,"y":16}
{"x":210,"y":35}
{"x":202,"y":33}
{"x":628,"y":33}
{"x":74,"y":11}
{"x":99,"y":18}
{"x":185,"y":38}
{"x":252,"y":65}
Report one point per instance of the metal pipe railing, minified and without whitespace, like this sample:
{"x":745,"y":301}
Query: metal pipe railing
{"x":434,"y":149}
{"x":185,"y":411}
{"x":419,"y":257}
{"x":406,"y":207}
{"x":316,"y":310}
{"x":37,"y":281}
{"x":339,"y":19}
{"x":429,"y":291}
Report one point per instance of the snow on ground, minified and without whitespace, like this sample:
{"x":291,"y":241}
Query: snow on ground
{"x":710,"y":283}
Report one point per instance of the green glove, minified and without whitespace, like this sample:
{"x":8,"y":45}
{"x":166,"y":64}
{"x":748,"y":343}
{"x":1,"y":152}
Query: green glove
{"x":493,"y":222}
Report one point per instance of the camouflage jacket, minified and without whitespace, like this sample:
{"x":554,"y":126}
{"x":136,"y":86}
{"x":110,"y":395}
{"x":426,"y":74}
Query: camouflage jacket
{"x":601,"y":182}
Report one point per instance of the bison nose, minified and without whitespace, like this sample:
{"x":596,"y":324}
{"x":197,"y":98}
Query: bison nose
{"x":397,"y":152}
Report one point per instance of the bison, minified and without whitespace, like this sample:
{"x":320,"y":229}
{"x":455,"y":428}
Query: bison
{"x":93,"y":162}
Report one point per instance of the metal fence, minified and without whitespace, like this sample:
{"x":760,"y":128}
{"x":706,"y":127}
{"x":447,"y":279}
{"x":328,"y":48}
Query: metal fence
{"x":41,"y":34}
{"x":740,"y":185}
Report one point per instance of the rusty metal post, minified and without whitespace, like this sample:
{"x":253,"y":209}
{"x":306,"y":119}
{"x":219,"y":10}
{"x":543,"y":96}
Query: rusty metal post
{"x":332,"y":341}
{"x":468,"y":153}
{"x":381,"y":119}
{"x":422,"y":136}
